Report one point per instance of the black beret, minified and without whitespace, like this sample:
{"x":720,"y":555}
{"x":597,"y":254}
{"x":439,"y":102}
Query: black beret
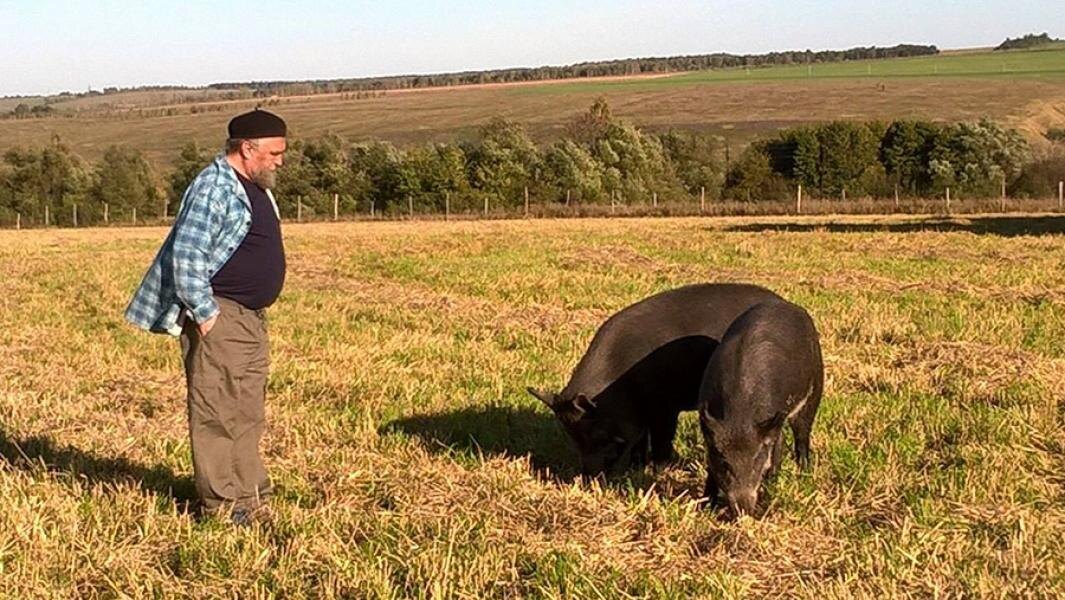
{"x":256,"y":124}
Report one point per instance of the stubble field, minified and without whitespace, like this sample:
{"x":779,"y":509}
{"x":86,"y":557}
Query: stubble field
{"x":410,"y":461}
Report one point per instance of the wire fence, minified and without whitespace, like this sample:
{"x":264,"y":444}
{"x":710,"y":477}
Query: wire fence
{"x":297,"y":212}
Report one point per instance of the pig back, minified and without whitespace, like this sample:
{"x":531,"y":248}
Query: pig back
{"x":657,"y":322}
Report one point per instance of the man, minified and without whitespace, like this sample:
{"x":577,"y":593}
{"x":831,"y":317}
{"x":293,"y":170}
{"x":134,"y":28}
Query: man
{"x":221,"y":266}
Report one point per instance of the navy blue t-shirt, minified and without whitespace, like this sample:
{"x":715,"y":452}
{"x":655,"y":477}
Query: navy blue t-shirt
{"x":255,"y":273}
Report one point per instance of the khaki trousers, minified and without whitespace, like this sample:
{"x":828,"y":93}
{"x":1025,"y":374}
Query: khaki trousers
{"x":225,"y":372}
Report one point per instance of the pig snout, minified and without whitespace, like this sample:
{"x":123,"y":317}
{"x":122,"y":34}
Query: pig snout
{"x":743,"y":502}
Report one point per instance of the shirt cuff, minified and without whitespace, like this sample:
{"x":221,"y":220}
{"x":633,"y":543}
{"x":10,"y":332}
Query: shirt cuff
{"x":204,"y":311}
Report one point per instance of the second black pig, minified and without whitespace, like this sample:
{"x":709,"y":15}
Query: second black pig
{"x":643,"y":367}
{"x":767,"y":372}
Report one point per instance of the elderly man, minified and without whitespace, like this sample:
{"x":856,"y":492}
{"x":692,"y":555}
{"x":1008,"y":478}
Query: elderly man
{"x":221,"y":266}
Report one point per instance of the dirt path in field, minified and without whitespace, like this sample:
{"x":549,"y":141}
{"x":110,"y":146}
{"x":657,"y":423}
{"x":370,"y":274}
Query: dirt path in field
{"x":1039,"y":116}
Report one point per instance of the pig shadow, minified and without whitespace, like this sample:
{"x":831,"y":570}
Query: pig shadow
{"x":496,"y":431}
{"x":1000,"y":226}
{"x":36,"y":453}
{"x":673,"y":370}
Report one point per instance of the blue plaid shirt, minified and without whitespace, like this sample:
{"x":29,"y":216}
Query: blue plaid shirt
{"x":214,"y":217}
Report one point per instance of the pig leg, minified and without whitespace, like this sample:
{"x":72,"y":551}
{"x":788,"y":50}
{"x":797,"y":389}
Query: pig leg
{"x":801,"y":425}
{"x":710,"y":492}
{"x":663,"y":431}
{"x":638,"y":454}
{"x":778,"y":451}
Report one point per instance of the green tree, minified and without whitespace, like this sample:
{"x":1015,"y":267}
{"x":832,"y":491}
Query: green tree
{"x":503,"y":162}
{"x":50,"y":176}
{"x":905,"y":152}
{"x":634,"y":164}
{"x":429,"y":173}
{"x":123,"y":180}
{"x":752,"y":177}
{"x":975,"y":158}
{"x":377,"y":174}
{"x":569,"y":168}
{"x":191,"y":160}
{"x":696,"y":161}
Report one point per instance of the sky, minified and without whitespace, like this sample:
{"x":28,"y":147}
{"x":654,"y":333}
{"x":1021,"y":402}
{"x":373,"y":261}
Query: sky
{"x":49,"y":46}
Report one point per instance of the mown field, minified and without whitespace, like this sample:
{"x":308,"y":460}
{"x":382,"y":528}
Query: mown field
{"x":411,"y":462}
{"x":1021,"y":89}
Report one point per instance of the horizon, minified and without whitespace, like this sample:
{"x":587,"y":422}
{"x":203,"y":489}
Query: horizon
{"x":135,"y":45}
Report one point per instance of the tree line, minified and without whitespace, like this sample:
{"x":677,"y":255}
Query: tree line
{"x":631,"y":66}
{"x":600,"y":159}
{"x":1027,"y":42}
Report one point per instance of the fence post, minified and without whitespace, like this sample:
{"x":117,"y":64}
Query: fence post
{"x":844,"y":194}
{"x":18,"y":221}
{"x":134,"y":215}
{"x":373,"y":209}
{"x":567,"y":197}
{"x":299,"y":209}
{"x":654,"y":199}
{"x":798,"y":200}
{"x":896,"y":197}
{"x":336,"y":206}
{"x":447,"y":206}
{"x":1061,"y":195}
{"x":105,"y":214}
{"x":612,"y":192}
{"x":948,"y":200}
{"x":702,"y":199}
{"x":486,"y":205}
{"x":164,"y":209}
{"x":526,"y":202}
{"x":410,"y":207}
{"x":46,"y":215}
{"x":1003,"y":193}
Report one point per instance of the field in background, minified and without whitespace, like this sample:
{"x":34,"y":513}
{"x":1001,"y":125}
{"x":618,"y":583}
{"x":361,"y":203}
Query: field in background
{"x":411,"y":463}
{"x":1021,"y":89}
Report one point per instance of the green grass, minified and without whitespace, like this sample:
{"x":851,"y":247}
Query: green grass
{"x":410,"y":462}
{"x":1044,"y":64}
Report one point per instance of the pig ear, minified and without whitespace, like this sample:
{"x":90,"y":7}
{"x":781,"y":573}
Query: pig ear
{"x":546,"y":397}
{"x":583,"y":403}
{"x":574,"y":410}
{"x":774,"y":423}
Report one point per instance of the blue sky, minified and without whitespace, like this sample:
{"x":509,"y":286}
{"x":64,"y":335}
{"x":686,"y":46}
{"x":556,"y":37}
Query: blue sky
{"x":47,"y":46}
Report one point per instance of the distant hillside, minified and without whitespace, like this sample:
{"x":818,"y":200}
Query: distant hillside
{"x":1028,"y":42}
{"x":9,"y":107}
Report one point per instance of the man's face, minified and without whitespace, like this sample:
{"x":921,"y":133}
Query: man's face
{"x":262,"y":158}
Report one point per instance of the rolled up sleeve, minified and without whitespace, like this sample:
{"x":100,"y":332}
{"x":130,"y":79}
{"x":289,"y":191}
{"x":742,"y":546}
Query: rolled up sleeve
{"x":197,"y":224}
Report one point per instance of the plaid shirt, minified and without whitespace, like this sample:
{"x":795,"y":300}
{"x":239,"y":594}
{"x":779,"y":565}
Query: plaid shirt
{"x":214,"y":217}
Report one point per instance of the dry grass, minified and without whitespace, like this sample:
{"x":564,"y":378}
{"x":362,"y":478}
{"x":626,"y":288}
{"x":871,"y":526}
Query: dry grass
{"x":411,"y":463}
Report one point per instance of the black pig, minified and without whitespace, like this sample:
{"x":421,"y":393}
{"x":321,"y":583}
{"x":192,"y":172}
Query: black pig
{"x":766,"y":372}
{"x":643,"y":367}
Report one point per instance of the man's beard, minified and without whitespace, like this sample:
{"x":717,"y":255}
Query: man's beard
{"x":265,"y":179}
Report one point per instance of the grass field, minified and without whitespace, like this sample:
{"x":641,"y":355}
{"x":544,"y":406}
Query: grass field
{"x":1021,"y":89}
{"x":1046,"y":64}
{"x":411,"y":463}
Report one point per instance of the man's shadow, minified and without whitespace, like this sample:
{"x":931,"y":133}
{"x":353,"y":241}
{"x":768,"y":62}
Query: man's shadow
{"x":38,"y":452}
{"x":496,"y":431}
